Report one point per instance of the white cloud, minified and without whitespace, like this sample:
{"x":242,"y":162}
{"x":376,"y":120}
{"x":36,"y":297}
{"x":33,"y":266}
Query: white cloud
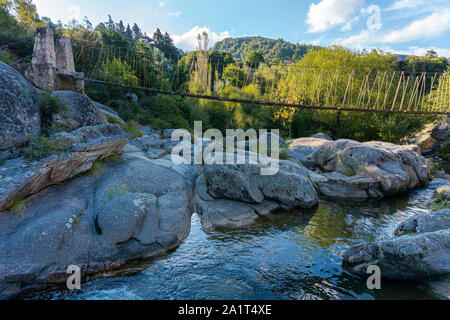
{"x":417,"y":51}
{"x":74,"y":12}
{"x":349,"y":25}
{"x":161,"y":4}
{"x":406,"y":4}
{"x":430,"y":26}
{"x":328,"y":14}
{"x":188,"y":40}
{"x":175,"y":14}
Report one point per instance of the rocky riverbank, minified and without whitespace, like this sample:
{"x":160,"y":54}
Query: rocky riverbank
{"x":103,"y":199}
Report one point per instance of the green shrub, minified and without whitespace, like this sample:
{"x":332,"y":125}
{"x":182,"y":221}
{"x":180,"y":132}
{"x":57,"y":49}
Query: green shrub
{"x":165,"y":112}
{"x":49,"y":106}
{"x":440,"y":203}
{"x":5,"y":57}
{"x":283,"y":155}
{"x":134,"y":128}
{"x":41,"y":147}
{"x":2,"y":161}
{"x":350,"y":173}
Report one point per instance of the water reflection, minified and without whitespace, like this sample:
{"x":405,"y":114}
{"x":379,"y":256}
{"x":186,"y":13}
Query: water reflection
{"x":284,"y":256}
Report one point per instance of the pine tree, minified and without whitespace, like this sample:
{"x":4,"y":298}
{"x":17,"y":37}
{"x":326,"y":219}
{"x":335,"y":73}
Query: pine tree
{"x":158,"y":38}
{"x":121,"y":27}
{"x":129,"y":33}
{"x":137,"y":33}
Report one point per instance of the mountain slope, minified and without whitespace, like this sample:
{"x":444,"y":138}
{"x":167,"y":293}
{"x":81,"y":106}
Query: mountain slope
{"x":271,"y":49}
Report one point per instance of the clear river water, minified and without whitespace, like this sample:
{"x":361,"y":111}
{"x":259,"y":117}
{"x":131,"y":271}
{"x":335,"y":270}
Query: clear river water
{"x":286,"y":256}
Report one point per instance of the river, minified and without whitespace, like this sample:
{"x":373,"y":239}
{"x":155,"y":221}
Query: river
{"x":286,"y":256}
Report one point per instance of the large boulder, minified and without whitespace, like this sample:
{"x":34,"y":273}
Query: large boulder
{"x":236,"y":195}
{"x":19,"y":109}
{"x":442,"y":131}
{"x":302,"y":148}
{"x":21,"y":178}
{"x":109,"y":112}
{"x":291,"y":186}
{"x":421,"y":250}
{"x":411,"y":257}
{"x":80,"y":111}
{"x":396,"y":168}
{"x":130,"y":210}
{"x":424,"y":139}
{"x":337,"y":186}
{"x":222,"y":213}
{"x":425,"y":222}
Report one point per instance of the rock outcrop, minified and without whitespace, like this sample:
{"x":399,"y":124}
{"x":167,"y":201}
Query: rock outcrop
{"x":420,"y":252}
{"x":396,"y":168}
{"x":441,"y":133}
{"x":236,"y":195}
{"x":131,"y":210}
{"x":19,"y":109}
{"x":21,"y":178}
{"x":79,"y":111}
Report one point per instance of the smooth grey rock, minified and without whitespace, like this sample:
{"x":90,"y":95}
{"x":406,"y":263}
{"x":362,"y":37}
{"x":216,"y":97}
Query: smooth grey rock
{"x":21,"y":178}
{"x":147,"y":130}
{"x":302,"y":148}
{"x":146,"y":142}
{"x":323,"y":136}
{"x":442,"y":131}
{"x":355,"y":188}
{"x":421,"y":256}
{"x":156,"y":153}
{"x":131,"y":97}
{"x":290,"y":187}
{"x":19,"y":109}
{"x":120,"y":217}
{"x":396,"y":168}
{"x":227,"y":213}
{"x":80,"y":111}
{"x":131,"y":210}
{"x":426,"y":222}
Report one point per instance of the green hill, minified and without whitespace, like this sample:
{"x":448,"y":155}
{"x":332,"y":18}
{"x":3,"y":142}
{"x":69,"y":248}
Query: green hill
{"x":271,"y":49}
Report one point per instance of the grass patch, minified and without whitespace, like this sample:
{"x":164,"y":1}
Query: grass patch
{"x":132,"y":127}
{"x":283,"y":155}
{"x":98,"y":165}
{"x":350,"y":173}
{"x":113,"y":120}
{"x":440,"y":203}
{"x":41,"y":147}
{"x":18,"y":206}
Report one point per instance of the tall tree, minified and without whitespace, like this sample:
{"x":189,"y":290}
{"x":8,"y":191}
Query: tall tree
{"x":137,"y":33}
{"x":27,"y":14}
{"x":129,"y":33}
{"x":158,"y":38}
{"x":121,"y":27}
{"x":254,"y":59}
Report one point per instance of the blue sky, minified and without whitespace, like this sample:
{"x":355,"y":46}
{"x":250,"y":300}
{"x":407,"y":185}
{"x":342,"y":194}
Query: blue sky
{"x":401,"y":26}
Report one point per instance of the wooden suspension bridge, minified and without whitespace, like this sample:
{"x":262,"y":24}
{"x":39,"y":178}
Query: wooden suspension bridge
{"x":284,"y":86}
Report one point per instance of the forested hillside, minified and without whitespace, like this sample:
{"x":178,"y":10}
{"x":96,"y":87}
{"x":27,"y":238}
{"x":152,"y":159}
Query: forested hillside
{"x":272,"y":50}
